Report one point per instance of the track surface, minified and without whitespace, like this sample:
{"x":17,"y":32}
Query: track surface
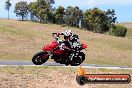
{"x":28,"y":63}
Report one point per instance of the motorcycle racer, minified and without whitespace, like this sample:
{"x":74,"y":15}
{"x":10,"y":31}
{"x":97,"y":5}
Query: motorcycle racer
{"x":67,"y":51}
{"x":67,"y":34}
{"x":67,"y":38}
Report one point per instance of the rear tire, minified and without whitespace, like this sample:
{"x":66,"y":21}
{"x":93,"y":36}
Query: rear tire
{"x":39,"y":59}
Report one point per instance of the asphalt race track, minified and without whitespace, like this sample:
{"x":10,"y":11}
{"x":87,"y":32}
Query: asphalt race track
{"x":29,"y":63}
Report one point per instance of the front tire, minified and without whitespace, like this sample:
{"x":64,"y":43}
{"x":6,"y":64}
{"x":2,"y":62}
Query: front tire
{"x":39,"y":58}
{"x":78,"y":60}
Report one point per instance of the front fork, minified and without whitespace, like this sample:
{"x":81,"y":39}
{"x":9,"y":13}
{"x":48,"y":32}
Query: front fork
{"x":48,"y":54}
{"x":73,"y":55}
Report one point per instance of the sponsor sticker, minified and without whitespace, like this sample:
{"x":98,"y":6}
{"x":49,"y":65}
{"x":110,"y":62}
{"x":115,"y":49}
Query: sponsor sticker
{"x":83,"y":78}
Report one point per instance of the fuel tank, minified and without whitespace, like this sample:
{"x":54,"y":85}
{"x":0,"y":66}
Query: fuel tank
{"x":50,"y":46}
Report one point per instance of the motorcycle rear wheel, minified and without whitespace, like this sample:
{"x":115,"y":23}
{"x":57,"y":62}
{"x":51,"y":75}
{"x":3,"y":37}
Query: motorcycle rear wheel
{"x":39,"y":58}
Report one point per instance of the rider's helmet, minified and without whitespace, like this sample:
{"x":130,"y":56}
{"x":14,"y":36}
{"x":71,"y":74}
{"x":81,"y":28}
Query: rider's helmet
{"x":67,"y":34}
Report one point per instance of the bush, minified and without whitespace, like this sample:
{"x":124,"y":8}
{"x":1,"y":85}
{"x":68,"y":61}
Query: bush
{"x":118,"y":30}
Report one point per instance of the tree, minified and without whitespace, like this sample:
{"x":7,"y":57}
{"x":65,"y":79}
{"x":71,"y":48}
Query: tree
{"x":111,"y":19}
{"x":67,"y":16}
{"x":42,"y":11}
{"x":97,"y":20}
{"x":32,"y":7}
{"x":78,"y":15}
{"x":7,"y":6}
{"x":72,"y":16}
{"x":59,"y":15}
{"x":21,"y":9}
{"x":51,"y":16}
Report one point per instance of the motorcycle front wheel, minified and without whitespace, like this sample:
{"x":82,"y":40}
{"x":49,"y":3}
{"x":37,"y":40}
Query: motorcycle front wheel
{"x":40,"y":58}
{"x":78,"y":60}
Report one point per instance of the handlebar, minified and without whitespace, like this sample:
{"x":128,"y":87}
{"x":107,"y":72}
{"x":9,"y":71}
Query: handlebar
{"x":57,"y":34}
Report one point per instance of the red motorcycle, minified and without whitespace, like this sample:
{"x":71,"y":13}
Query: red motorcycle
{"x":72,"y":56}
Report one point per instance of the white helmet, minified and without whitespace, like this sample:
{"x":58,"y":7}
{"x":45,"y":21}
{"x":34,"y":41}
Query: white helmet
{"x":68,"y":33}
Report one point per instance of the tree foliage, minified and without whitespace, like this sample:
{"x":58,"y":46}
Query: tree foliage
{"x":111,"y":19}
{"x":59,"y":15}
{"x":41,"y":11}
{"x":72,"y":16}
{"x":21,"y":9}
{"x":99,"y":21}
{"x":7,"y":6}
{"x":32,"y":7}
